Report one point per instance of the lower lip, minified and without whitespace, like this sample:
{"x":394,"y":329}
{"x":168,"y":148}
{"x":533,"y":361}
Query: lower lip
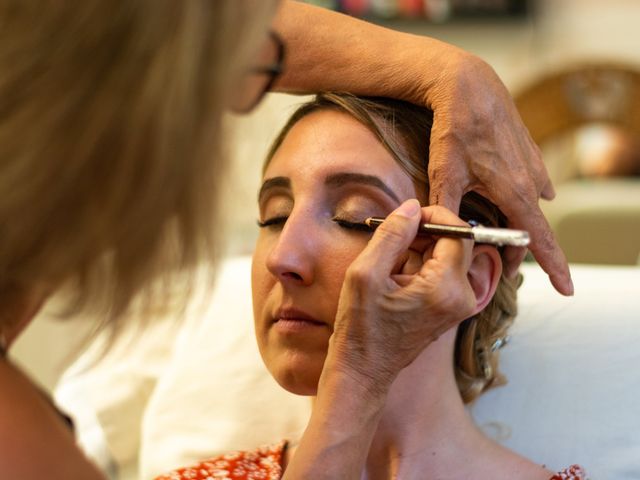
{"x":296,"y":325}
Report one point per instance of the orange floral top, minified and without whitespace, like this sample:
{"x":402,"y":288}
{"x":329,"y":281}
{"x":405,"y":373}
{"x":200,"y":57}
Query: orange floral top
{"x":265,"y":463}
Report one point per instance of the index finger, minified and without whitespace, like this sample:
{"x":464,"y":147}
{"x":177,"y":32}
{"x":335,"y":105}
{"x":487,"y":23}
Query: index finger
{"x":544,"y":247}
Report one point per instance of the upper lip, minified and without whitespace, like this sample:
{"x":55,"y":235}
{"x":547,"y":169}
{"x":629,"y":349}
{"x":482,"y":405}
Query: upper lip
{"x":289,"y":313}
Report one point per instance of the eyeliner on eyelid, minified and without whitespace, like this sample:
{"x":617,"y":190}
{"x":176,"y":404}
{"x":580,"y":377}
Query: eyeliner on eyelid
{"x":352,"y":225}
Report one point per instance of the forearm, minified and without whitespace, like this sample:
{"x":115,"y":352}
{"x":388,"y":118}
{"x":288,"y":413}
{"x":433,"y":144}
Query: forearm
{"x":328,"y":51}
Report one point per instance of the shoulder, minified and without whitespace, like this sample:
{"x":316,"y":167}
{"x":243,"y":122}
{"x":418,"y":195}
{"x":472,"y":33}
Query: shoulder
{"x":262,"y":463}
{"x":35,"y":442}
{"x":574,"y":472}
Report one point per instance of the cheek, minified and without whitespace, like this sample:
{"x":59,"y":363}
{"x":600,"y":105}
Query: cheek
{"x":260,"y":280}
{"x":335,"y":263}
{"x":342,"y":258}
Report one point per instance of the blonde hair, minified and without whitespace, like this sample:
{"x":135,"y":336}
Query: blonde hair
{"x":404,"y":130}
{"x":110,"y":139}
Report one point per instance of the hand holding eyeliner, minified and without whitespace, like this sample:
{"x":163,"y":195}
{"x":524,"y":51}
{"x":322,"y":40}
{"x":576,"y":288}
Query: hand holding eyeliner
{"x":478,"y":233}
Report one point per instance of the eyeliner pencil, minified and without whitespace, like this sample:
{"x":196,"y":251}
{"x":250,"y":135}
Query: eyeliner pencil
{"x":480,"y":234}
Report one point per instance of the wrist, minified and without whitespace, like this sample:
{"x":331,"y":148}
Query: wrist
{"x":345,"y":417}
{"x":353,"y":380}
{"x":427,"y":69}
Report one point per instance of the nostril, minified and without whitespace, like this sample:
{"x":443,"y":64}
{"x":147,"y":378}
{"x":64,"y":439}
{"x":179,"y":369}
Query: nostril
{"x":292,"y":275}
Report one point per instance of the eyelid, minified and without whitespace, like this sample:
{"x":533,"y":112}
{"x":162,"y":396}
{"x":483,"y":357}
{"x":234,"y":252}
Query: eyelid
{"x":356,"y":204}
{"x":267,"y":195}
{"x":359,"y":226}
{"x":273,"y":221}
{"x":274,"y":209}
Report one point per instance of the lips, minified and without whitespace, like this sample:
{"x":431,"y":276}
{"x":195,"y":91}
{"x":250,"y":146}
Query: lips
{"x":295,"y":315}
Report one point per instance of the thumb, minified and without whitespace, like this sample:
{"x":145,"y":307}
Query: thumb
{"x":392,"y":238}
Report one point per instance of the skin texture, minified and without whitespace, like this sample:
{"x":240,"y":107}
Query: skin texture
{"x":303,"y":270}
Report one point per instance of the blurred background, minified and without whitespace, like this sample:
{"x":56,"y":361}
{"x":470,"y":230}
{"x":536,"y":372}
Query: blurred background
{"x":572,"y":66}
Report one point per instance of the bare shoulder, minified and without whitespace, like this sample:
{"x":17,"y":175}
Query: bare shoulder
{"x":34,"y":442}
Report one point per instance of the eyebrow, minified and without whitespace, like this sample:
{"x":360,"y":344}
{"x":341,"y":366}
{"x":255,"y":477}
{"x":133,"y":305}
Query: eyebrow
{"x":340,"y":179}
{"x":335,"y":180}
{"x":275,"y":182}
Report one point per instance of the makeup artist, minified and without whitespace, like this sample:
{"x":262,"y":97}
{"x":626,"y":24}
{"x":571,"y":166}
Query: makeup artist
{"x":110,"y":141}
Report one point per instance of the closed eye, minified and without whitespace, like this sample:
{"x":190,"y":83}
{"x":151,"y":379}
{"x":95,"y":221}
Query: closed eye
{"x":273,"y":222}
{"x":361,"y":227}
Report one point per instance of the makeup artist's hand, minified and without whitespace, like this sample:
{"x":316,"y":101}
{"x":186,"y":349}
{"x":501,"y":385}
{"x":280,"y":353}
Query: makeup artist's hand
{"x":391,"y":307}
{"x":386,"y":317}
{"x":478,"y":142}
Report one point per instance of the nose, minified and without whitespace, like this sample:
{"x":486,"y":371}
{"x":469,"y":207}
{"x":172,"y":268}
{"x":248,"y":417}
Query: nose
{"x":291,"y":259}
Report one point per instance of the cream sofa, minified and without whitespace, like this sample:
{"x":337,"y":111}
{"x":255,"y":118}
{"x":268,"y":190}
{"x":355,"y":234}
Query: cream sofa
{"x":573,"y":396}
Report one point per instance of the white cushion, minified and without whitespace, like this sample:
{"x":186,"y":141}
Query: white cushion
{"x":107,"y":395}
{"x":574,"y":383}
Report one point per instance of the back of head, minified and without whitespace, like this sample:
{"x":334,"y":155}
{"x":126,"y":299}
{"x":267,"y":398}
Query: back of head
{"x":110,"y":138}
{"x":404,"y":130}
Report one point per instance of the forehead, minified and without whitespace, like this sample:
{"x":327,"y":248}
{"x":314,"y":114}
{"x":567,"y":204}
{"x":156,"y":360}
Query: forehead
{"x":326,"y":142}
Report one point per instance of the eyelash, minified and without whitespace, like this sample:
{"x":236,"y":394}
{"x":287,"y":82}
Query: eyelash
{"x":361,"y":227}
{"x":272,"y":222}
{"x":279,"y":221}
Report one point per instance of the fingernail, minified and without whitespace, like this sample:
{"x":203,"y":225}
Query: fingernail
{"x":408,"y":209}
{"x":571,"y":287}
{"x":563,"y":284}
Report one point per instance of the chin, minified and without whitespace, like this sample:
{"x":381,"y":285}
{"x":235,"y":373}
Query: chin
{"x":299,"y":379}
{"x":298,"y":388}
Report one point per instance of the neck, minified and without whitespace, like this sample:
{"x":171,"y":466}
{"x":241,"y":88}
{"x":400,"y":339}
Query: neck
{"x":424,"y":429}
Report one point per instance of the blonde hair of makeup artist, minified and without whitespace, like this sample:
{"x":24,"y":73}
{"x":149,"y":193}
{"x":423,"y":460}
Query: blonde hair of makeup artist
{"x":110,"y":140}
{"x":404,"y":130}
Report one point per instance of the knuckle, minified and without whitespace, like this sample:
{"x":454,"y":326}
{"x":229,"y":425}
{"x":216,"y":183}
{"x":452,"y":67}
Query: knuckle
{"x":535,"y":153}
{"x":525,"y":189}
{"x":546,"y":239}
{"x":522,"y":182}
{"x":359,"y":275}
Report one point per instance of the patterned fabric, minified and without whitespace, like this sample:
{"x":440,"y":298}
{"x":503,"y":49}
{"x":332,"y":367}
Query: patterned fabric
{"x":574,"y":472}
{"x":265,"y":463}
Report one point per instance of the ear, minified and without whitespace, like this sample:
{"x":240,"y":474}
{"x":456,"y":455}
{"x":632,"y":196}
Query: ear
{"x":484,"y":274}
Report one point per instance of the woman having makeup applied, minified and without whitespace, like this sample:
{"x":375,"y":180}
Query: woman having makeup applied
{"x":111,"y":154}
{"x":339,"y":160}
